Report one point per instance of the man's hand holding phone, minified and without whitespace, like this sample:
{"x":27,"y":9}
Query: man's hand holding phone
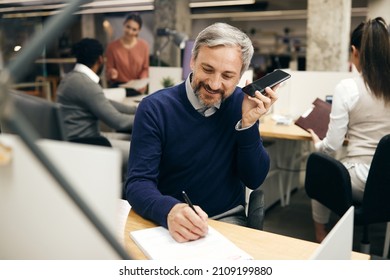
{"x":253,"y":108}
{"x":270,"y":80}
{"x":260,"y":95}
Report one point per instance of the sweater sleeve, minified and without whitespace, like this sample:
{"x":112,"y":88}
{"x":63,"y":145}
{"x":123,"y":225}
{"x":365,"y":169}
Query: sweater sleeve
{"x":345,"y":97}
{"x":145,"y":66}
{"x":103,"y":109}
{"x":123,"y":108}
{"x":143,"y":168}
{"x":253,"y":160}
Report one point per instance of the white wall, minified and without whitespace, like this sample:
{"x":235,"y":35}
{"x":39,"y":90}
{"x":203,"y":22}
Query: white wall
{"x":297,"y":94}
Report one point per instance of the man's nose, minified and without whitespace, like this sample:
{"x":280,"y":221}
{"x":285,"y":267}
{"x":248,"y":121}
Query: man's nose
{"x":215,"y":82}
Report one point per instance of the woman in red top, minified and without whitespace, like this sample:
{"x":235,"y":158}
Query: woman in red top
{"x":128,"y":56}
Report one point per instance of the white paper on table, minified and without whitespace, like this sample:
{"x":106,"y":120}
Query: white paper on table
{"x":123,"y":209}
{"x":157,"y":244}
{"x":135,"y":84}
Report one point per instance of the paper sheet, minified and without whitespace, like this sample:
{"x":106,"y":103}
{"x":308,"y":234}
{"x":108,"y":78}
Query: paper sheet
{"x":123,"y":209}
{"x":158,"y":244}
{"x":135,"y":84}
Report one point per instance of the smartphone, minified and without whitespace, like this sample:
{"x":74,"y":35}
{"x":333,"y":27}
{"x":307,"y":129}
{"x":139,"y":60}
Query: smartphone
{"x":269,"y":80}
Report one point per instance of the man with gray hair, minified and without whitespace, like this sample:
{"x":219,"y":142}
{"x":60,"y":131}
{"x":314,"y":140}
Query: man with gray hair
{"x":201,"y":137}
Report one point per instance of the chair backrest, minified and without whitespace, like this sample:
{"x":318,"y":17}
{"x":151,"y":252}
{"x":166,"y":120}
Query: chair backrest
{"x":328,"y":181}
{"x":43,"y":116}
{"x":375,"y":207}
{"x":256,"y":209}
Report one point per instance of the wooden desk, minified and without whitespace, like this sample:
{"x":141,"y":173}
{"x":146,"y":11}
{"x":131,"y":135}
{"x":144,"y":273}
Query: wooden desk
{"x":70,"y":60}
{"x":41,"y":88}
{"x":260,"y":245}
{"x":60,"y":61}
{"x":289,"y":153}
{"x":269,"y":129}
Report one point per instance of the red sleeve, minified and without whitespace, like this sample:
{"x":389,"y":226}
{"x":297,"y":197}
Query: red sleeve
{"x":110,"y":63}
{"x":145,"y":66}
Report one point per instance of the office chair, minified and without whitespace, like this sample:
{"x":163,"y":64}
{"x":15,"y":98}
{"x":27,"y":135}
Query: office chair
{"x":255,"y":217}
{"x":328,"y":181}
{"x":46,"y":119}
{"x":44,"y":116}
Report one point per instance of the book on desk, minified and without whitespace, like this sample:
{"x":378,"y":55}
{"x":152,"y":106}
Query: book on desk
{"x":316,"y":118}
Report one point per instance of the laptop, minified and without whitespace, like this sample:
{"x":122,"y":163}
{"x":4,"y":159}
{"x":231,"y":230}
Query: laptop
{"x":38,"y":220}
{"x":337,"y":245}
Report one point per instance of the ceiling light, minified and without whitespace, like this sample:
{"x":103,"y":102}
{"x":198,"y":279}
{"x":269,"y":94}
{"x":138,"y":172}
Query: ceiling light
{"x":116,"y":3}
{"x":221,"y":3}
{"x":116,"y":9}
{"x":29,"y":8}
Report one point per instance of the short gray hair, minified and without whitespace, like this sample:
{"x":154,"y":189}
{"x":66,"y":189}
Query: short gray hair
{"x":223,"y":34}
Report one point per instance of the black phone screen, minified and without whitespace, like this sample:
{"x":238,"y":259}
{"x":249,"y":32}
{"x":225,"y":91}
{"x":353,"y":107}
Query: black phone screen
{"x":269,"y":80}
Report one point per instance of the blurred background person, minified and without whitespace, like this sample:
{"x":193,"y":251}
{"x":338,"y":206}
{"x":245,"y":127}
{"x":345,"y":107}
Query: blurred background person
{"x":360,"y":111}
{"x":127,"y":58}
{"x":83,"y":103}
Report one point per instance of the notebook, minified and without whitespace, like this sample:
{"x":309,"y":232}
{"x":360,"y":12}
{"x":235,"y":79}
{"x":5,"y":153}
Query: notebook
{"x":337,"y":245}
{"x":157,"y":244}
{"x":316,"y":118}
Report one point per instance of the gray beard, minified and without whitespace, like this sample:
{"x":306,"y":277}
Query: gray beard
{"x":197,"y":94}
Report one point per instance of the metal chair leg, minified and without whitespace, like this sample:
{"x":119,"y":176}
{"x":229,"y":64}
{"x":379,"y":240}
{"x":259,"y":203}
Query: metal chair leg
{"x":365,"y":243}
{"x":387,"y":241}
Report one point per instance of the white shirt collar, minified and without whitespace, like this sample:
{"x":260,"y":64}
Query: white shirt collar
{"x":191,"y":95}
{"x":87,"y":71}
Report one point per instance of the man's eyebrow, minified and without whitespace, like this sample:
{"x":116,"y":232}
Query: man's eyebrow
{"x":204,"y":64}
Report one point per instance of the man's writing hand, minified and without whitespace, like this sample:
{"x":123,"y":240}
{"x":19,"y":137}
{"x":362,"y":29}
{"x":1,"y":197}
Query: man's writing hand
{"x":185,"y":225}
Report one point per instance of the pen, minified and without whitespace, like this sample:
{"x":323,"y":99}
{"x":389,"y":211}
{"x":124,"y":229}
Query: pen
{"x":188,"y":201}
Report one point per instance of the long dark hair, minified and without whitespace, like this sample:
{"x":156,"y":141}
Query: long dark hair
{"x":372,"y":40}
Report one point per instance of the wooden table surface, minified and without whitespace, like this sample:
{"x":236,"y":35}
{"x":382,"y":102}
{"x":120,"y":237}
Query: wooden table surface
{"x":260,"y":245}
{"x":270,"y":129}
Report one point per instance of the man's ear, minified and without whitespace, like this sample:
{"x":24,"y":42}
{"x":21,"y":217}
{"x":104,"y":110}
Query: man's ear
{"x":192,"y":63}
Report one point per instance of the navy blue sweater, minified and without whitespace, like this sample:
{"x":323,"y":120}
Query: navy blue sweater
{"x":174,"y":148}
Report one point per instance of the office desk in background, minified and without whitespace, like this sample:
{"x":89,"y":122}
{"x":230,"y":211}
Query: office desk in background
{"x":260,"y":245}
{"x":270,"y":129}
{"x":64,"y":64}
{"x":68,"y":61}
{"x":288,"y":146}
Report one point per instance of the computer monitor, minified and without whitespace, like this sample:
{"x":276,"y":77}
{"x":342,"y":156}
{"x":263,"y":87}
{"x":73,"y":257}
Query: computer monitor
{"x":42,"y":115}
